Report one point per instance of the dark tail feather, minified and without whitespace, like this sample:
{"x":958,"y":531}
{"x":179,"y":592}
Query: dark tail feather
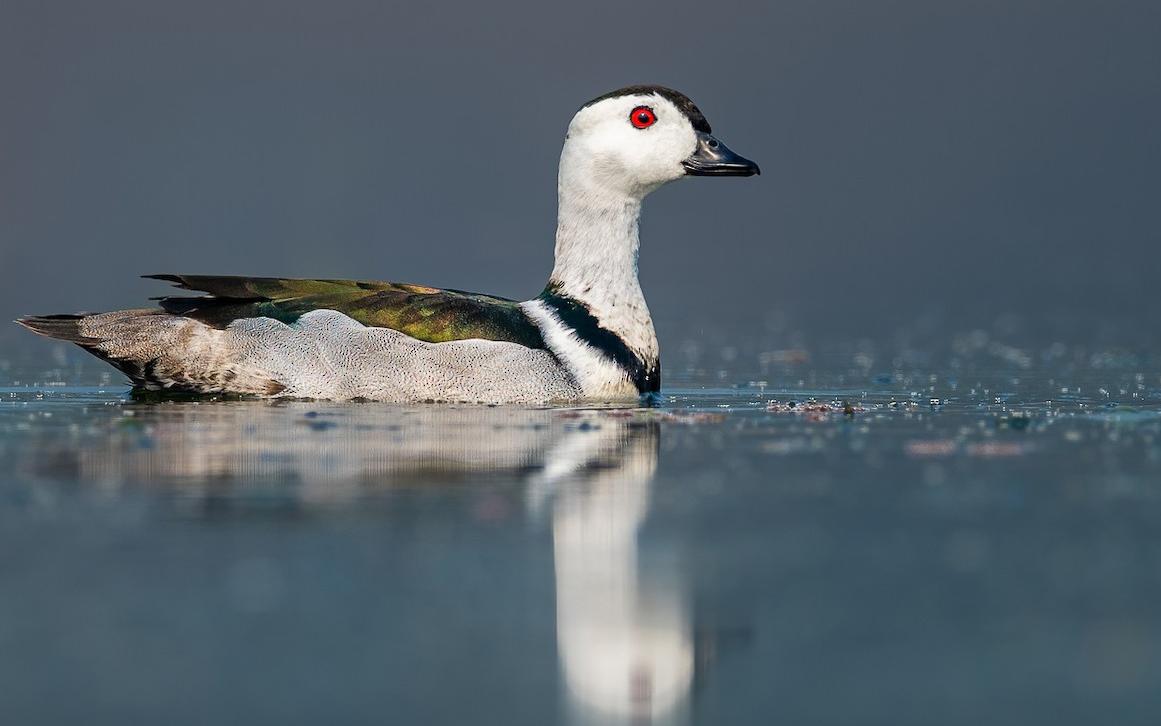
{"x":68,"y":328}
{"x":60,"y":327}
{"x":156,"y":350}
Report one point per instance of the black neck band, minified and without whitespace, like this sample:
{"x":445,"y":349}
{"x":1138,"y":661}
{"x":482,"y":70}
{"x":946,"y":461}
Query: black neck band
{"x":646,"y":375}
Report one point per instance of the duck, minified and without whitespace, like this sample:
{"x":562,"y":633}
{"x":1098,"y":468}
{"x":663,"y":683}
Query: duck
{"x":587,"y":337}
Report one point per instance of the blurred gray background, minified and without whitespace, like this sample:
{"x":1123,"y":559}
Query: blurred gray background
{"x":954,"y":165}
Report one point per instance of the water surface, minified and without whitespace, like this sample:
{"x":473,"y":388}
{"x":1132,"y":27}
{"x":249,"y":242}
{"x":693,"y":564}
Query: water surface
{"x":876,"y":549}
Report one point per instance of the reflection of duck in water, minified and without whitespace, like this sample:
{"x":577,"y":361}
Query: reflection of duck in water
{"x":326,"y":451}
{"x":625,"y":645}
{"x":339,"y":445}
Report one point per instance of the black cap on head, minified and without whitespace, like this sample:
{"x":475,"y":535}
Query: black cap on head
{"x":686,"y":106}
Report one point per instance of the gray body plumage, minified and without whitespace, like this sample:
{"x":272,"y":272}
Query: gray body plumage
{"x":324,"y":354}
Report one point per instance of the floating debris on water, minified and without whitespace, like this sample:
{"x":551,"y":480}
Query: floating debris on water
{"x":814,"y":407}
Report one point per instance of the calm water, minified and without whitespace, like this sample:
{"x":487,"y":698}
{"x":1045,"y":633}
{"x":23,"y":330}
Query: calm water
{"x":748,"y":554}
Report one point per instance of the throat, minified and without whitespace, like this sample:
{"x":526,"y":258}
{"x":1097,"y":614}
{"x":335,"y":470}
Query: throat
{"x":596,"y":271}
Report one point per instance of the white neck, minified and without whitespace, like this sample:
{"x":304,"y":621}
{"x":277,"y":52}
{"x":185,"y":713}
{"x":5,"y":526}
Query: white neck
{"x":596,"y":258}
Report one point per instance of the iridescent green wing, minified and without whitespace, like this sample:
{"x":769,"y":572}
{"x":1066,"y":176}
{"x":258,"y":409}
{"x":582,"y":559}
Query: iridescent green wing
{"x":425,"y":313}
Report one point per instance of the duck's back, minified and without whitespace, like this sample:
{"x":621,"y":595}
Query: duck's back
{"x":424,"y":313}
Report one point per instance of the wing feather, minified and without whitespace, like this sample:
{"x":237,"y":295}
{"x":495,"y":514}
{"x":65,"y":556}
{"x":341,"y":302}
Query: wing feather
{"x":425,"y":313}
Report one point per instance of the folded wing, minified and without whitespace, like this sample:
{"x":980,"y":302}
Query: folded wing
{"x":425,"y":313}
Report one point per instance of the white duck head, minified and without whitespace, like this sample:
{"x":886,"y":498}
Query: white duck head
{"x":631,"y":141}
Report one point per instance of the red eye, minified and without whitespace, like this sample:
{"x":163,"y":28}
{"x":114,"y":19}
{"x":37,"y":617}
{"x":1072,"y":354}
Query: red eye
{"x":642,"y":117}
